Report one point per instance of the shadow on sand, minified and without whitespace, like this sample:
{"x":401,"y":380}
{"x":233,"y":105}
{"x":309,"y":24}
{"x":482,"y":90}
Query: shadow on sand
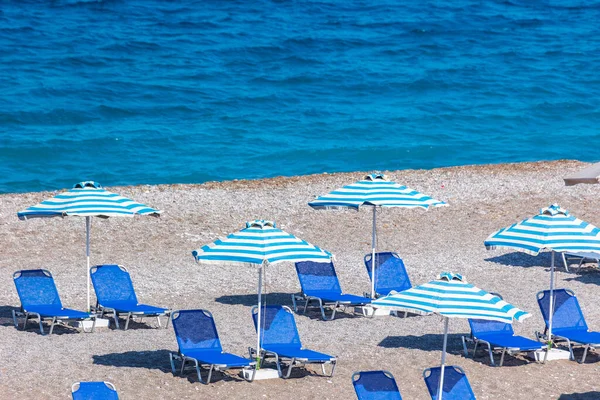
{"x":520,"y":259}
{"x":6,"y":319}
{"x":586,"y":275}
{"x":250,"y":300}
{"x":580,"y":396}
{"x":434,"y":342}
{"x":157,"y":360}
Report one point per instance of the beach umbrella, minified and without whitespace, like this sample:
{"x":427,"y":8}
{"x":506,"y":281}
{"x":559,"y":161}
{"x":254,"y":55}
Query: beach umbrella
{"x":259,"y":244}
{"x":451,"y":296}
{"x":87,"y":199}
{"x":375,"y":190}
{"x":554,"y":229}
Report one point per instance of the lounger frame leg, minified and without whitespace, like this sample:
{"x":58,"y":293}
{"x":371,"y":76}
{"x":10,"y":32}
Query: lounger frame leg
{"x":584,"y":354}
{"x":490,"y":352}
{"x":172,"y":363}
{"x":464,"y":343}
{"x":333,"y":364}
{"x":502,"y":357}
{"x":127,"y":319}
{"x":289,"y":370}
{"x":52,"y":325}
{"x":25,"y":322}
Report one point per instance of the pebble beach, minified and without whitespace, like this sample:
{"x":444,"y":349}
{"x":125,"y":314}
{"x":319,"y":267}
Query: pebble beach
{"x":157,"y":253}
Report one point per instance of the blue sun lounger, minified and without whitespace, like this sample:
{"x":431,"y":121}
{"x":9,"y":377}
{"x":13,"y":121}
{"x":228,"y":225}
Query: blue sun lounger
{"x":568,"y":322}
{"x":497,"y":335}
{"x":320,"y":283}
{"x":116,"y":296}
{"x":375,"y":385}
{"x":280,"y":339}
{"x":456,"y":385}
{"x":390,"y":273}
{"x":199,"y":343}
{"x":94,"y":391}
{"x":39,"y":298}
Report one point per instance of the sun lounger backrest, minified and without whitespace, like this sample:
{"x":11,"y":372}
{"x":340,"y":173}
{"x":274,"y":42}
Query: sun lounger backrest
{"x":278,"y":326}
{"x":112,"y":283}
{"x":481,"y":327}
{"x":456,"y":385}
{"x":391,"y":272}
{"x":567,"y":313}
{"x":195,"y":329}
{"x":318,"y":276}
{"x":375,"y":385}
{"x":36,"y":288}
{"x":94,"y":391}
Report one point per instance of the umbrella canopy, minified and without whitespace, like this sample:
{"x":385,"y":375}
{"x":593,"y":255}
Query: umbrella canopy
{"x":552,"y":229}
{"x":451,"y":296}
{"x":87,"y":199}
{"x":374,"y":190}
{"x":258,"y":244}
{"x":590,"y":175}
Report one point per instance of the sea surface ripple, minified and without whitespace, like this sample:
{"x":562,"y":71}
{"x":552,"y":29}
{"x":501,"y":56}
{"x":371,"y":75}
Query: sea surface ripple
{"x":148,"y":91}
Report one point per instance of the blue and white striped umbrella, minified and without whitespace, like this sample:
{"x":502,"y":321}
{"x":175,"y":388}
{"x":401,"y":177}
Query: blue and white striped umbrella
{"x":258,"y":244}
{"x":87,"y":199}
{"x":552,"y":229}
{"x":374,"y":190}
{"x":451,"y":296}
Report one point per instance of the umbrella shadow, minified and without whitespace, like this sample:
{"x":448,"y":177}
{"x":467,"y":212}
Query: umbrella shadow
{"x":427,"y":342}
{"x":580,"y":396}
{"x":250,"y":300}
{"x":6,"y":319}
{"x":156,"y":360}
{"x":587,"y":275}
{"x":520,"y":259}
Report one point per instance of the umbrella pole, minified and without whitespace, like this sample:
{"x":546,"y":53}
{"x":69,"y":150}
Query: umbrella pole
{"x":441,"y":385}
{"x":88,"y":227}
{"x":258,"y":322}
{"x":551,"y":300}
{"x":373,"y":245}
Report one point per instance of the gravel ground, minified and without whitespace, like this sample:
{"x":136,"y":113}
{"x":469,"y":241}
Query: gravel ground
{"x":158,"y":254}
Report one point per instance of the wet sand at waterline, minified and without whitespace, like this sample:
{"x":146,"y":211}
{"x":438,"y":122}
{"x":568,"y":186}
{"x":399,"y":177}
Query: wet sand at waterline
{"x":157,"y":253}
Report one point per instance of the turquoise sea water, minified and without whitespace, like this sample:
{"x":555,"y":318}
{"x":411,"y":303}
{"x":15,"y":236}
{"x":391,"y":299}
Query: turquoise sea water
{"x":147,"y":91}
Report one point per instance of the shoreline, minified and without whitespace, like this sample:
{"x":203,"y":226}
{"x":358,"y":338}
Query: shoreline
{"x":283,"y":179}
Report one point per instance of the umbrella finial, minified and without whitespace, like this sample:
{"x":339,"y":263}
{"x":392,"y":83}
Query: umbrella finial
{"x":377,"y":176}
{"x":449,"y":276}
{"x":260,"y":223}
{"x":87,"y":184}
{"x":554,"y":209}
